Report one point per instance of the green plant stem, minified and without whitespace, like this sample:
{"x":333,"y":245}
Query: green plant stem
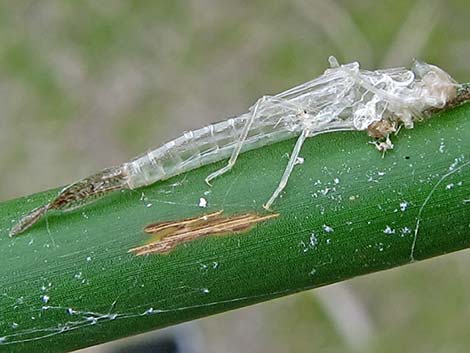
{"x":70,"y":282}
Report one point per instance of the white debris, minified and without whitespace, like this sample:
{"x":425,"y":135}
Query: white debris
{"x":403,"y":206}
{"x":442,"y":147}
{"x":313,"y":240}
{"x":202,"y":202}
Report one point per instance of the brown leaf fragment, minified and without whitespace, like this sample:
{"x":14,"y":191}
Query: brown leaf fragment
{"x":167,"y":235}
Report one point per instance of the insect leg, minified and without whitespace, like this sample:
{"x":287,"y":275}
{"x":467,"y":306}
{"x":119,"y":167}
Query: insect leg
{"x":238,"y":147}
{"x":289,"y":168}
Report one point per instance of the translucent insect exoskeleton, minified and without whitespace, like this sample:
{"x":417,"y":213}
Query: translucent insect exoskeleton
{"x":343,"y":98}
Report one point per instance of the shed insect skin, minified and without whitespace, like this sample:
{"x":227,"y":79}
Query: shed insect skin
{"x":76,"y":195}
{"x":343,"y":98}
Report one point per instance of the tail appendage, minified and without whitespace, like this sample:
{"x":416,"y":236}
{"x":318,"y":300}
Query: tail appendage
{"x":76,"y":195}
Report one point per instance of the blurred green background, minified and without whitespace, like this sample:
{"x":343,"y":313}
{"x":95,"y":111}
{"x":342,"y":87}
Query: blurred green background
{"x":86,"y":85}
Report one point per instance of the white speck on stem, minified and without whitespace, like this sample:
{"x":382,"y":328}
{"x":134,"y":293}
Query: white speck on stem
{"x":403,"y":206}
{"x":313,"y":240}
{"x":442,"y":147}
{"x":202,"y":202}
{"x":303,"y":246}
{"x":299,"y":160}
{"x":405,"y":231}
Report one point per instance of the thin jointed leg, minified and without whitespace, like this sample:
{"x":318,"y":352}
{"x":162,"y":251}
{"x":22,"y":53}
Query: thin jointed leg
{"x":238,"y":147}
{"x":289,"y":168}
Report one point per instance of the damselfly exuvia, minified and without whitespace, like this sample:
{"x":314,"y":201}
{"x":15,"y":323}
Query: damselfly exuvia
{"x":343,"y":98}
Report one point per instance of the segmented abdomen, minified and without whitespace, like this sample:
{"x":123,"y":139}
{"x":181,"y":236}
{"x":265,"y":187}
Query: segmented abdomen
{"x":203,"y":146}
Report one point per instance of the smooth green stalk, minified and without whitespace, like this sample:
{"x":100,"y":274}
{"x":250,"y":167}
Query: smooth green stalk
{"x":70,"y":282}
